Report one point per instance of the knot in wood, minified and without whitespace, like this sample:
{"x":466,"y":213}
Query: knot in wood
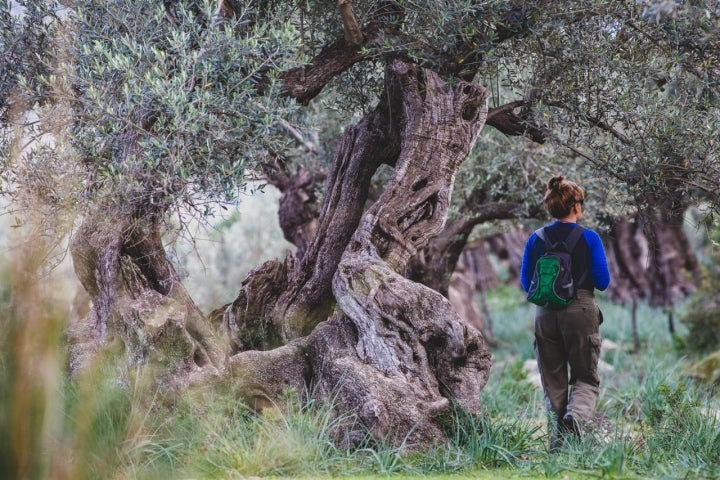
{"x":469,"y":111}
{"x":473,"y":104}
{"x":374,"y":414}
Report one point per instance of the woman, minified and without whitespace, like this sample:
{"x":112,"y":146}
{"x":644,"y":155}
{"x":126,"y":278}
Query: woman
{"x":569,"y":336}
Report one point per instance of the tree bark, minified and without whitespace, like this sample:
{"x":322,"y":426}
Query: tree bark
{"x":650,"y":258}
{"x":461,"y":294}
{"x":138,"y":302}
{"x":406,"y":331}
{"x":393,"y":352}
{"x":306,"y":298}
{"x":438,"y":264}
{"x":298,"y":207}
{"x":340,"y":321}
{"x":434,"y":265}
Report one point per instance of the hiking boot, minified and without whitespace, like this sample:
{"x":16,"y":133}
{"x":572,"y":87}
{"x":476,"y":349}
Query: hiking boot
{"x":558,"y":435}
{"x":572,"y":425}
{"x":557,"y":440}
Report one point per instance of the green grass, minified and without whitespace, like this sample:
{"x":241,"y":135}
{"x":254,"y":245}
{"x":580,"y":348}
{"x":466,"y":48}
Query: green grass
{"x":658,"y":423}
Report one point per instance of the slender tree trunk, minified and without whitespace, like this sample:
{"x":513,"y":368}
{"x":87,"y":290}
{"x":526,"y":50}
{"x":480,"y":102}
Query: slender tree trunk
{"x":487,"y":315}
{"x":633,"y":317}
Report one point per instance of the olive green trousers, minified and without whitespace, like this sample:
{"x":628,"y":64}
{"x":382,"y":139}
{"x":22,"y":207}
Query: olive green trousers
{"x":567,"y":348}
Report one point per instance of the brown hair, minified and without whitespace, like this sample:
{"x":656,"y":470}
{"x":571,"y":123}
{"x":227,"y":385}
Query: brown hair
{"x":561,"y":196}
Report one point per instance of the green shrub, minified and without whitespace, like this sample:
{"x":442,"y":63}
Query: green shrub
{"x":707,"y":370}
{"x":703,"y":321}
{"x":703,"y":315}
{"x":683,"y":431}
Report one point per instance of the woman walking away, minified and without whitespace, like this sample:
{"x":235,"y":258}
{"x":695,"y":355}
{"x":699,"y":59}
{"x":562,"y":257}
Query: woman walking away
{"x":567,"y":320}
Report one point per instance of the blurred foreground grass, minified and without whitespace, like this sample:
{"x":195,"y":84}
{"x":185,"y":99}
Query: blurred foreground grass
{"x":656,"y":422}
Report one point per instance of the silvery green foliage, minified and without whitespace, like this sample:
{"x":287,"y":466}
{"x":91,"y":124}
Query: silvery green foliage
{"x":158,"y":107}
{"x":635,"y":96}
{"x":627,"y":92}
{"x":26,"y":27}
{"x":207,"y":95}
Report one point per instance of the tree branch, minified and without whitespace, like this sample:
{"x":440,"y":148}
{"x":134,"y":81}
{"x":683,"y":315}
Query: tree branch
{"x":606,"y":127}
{"x":351,"y":29}
{"x":305,"y":83}
{"x":224,"y":11}
{"x":491,"y":211}
{"x":503,"y":119}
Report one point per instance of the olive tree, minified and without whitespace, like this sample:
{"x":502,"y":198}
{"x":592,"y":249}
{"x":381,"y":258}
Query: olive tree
{"x":157,"y":108}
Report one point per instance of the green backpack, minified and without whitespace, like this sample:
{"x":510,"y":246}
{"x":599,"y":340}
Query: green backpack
{"x":552,"y":285}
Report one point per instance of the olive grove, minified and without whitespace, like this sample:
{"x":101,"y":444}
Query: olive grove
{"x":392,"y":129}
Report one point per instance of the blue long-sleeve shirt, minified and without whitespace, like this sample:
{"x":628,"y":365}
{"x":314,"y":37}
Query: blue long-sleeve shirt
{"x":588,"y":256}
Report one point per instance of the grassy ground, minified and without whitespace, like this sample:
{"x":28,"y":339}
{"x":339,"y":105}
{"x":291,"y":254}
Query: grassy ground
{"x":653,"y":421}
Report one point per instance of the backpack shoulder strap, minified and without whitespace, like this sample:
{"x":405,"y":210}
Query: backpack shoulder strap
{"x":570,"y":243}
{"x":574,"y":237}
{"x":571,"y":240}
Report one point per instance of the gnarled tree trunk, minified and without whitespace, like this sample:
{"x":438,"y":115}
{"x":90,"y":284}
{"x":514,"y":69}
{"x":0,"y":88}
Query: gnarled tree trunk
{"x":394,"y":351}
{"x":651,"y":259}
{"x":304,"y":294}
{"x":340,"y":321}
{"x":438,"y":266}
{"x":138,"y":302}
